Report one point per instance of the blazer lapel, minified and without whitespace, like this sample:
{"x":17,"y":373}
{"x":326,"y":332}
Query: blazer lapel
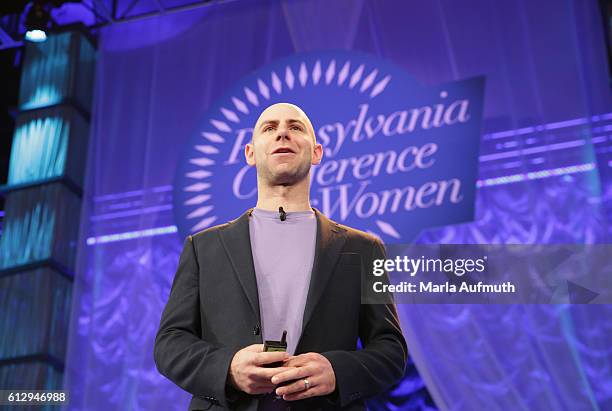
{"x":327,"y":250}
{"x":237,"y":242}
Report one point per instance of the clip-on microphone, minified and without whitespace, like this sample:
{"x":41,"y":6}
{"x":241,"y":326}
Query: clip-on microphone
{"x":283,"y":215}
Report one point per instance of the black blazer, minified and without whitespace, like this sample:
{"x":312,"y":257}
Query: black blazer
{"x":213,"y":311}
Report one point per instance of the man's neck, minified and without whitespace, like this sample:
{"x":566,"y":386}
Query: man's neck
{"x":291,"y":197}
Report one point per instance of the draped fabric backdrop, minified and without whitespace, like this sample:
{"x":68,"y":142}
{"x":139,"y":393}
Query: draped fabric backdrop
{"x":546,"y":76}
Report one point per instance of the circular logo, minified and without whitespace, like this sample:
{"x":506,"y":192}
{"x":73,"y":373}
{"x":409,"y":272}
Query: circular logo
{"x":373,"y":144}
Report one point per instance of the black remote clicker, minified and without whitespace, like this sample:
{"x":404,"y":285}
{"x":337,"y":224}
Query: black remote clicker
{"x":271,"y":346}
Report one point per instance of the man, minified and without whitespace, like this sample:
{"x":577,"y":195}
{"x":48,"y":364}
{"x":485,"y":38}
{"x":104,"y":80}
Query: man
{"x":269,"y":271}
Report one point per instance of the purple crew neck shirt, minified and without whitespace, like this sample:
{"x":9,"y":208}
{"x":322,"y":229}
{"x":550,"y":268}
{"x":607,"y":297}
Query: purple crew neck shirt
{"x":283,"y":255}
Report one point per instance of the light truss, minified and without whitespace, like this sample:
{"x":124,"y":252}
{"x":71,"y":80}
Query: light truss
{"x":109,"y":12}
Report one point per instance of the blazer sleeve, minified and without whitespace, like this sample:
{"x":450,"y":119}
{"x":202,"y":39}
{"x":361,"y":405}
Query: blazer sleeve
{"x":180,"y":354}
{"x":381,"y":362}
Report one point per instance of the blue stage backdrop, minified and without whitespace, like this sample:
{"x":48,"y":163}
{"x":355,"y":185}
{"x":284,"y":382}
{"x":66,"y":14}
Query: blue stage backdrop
{"x":477,"y":122}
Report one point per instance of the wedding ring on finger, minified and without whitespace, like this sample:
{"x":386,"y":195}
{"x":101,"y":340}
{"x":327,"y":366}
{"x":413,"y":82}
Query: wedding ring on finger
{"x":306,"y":384}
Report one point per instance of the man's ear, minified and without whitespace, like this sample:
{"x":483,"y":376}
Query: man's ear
{"x":249,"y":154}
{"x":317,"y":155}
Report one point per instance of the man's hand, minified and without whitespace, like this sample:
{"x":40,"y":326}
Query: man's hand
{"x":314,"y":368}
{"x":247,"y":373}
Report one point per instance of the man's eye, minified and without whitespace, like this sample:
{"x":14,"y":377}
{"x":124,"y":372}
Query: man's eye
{"x":268,"y":129}
{"x":297,"y":128}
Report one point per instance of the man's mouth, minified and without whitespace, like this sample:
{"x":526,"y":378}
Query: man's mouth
{"x":283,"y":150}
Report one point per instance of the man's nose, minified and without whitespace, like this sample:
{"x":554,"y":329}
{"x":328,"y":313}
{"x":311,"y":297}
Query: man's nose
{"x":282,"y":134}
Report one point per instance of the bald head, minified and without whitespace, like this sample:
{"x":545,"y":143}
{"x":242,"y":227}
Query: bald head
{"x":283,"y":147}
{"x":272,"y":115}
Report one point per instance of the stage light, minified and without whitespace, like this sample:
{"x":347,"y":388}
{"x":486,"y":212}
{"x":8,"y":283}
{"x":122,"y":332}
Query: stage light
{"x":36,"y":36}
{"x":37,"y":22}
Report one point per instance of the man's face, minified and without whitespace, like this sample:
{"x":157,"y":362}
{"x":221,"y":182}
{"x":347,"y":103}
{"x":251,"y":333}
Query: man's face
{"x":283,"y":146}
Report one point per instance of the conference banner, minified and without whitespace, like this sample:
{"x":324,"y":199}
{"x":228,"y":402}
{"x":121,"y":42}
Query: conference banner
{"x":399,"y":156}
